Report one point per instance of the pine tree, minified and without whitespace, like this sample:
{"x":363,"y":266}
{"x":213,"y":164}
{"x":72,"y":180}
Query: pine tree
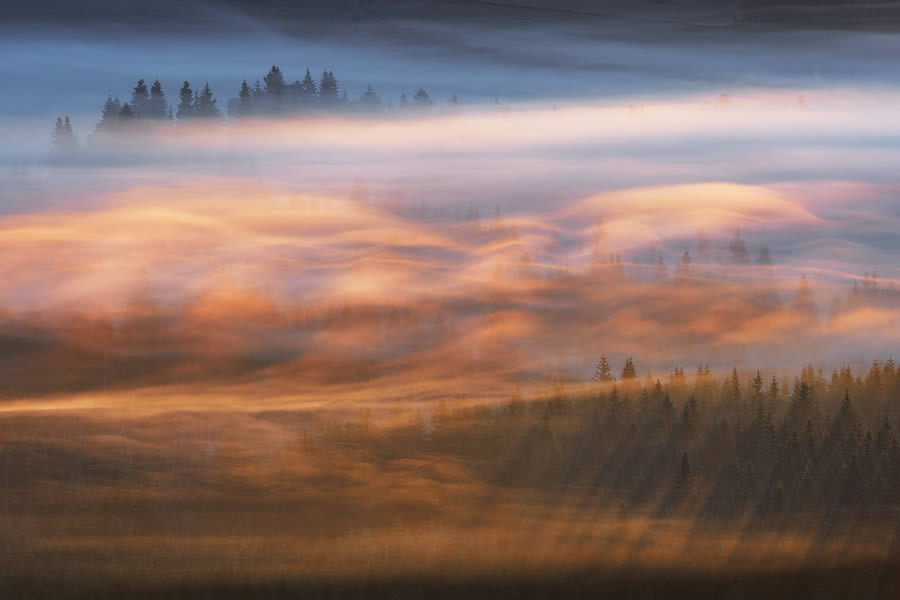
{"x":421,"y":98}
{"x":139,"y":99}
{"x":63,"y":142}
{"x":308,"y":90}
{"x":667,"y":410}
{"x":369,"y":98}
{"x":58,"y":134}
{"x":328,"y":89}
{"x":205,"y":106}
{"x":109,"y":118}
{"x":773,"y":391}
{"x":757,"y":385}
{"x":602,"y":373}
{"x":734,"y":386}
{"x":683,"y":476}
{"x":629,"y":371}
{"x":690,"y":416}
{"x":802,"y":407}
{"x":156,"y":107}
{"x":185,"y":102}
{"x":274,"y":82}
{"x":244,"y":107}
{"x":126,"y":115}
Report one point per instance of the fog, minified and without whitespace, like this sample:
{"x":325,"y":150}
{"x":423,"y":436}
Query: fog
{"x":314,"y":340}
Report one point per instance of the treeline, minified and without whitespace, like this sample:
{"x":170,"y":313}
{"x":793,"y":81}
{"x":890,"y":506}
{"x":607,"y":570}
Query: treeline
{"x":806,"y":452}
{"x":273,"y":96}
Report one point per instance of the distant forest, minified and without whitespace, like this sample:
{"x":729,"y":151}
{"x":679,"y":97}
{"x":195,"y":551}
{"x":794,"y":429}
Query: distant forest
{"x":807,"y":453}
{"x":273,"y":96}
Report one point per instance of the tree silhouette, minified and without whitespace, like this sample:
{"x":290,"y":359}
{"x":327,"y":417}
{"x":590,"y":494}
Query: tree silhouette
{"x":308,"y":90}
{"x":274,"y":83}
{"x":603,"y":373}
{"x":139,"y":99}
{"x":126,"y":115}
{"x":185,"y":102}
{"x":328,"y":89}
{"x":421,"y":98}
{"x":629,"y":371}
{"x":156,"y":107}
{"x":205,"y":106}
{"x":245,"y":102}
{"x":683,"y":476}
{"x":109,"y":118}
{"x":369,"y":98}
{"x":64,"y":145}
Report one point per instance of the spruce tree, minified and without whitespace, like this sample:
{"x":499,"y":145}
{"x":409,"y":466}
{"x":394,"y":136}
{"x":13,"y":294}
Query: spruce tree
{"x":603,"y":373}
{"x":308,"y":90}
{"x":328,"y":89}
{"x":757,"y":385}
{"x":109,"y":118}
{"x":63,"y":142}
{"x":369,"y":98}
{"x":205,"y":105}
{"x":139,"y":99}
{"x":157,"y":107}
{"x":185,"y":102}
{"x":629,"y":371}
{"x":683,"y":270}
{"x":734,"y":386}
{"x":274,"y":90}
{"x":274,"y":81}
{"x":244,"y":107}
{"x":126,"y":115}
{"x":421,"y":98}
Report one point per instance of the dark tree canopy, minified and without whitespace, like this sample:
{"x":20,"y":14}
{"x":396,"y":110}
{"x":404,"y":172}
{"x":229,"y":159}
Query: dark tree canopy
{"x":140,"y":98}
{"x":205,"y":106}
{"x":185,"y":102}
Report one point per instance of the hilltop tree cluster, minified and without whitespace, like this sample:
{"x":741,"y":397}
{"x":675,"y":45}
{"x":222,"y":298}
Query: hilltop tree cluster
{"x":271,"y":96}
